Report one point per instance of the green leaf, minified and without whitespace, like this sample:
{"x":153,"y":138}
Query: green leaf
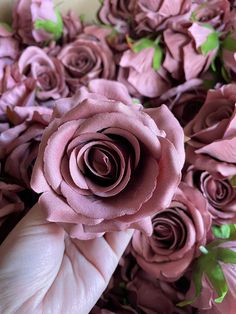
{"x":142,"y":44}
{"x":229,"y":44}
{"x":233,"y":181}
{"x":51,"y":27}
{"x":226,"y":255}
{"x":211,"y":43}
{"x":222,"y":232}
{"x":157,"y":58}
{"x":225,"y":74}
{"x":193,"y":17}
{"x":216,"y":277}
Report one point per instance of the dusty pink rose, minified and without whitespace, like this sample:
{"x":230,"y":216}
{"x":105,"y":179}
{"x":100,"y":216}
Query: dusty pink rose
{"x":19,"y":143}
{"x":178,"y":231}
{"x":147,"y":295}
{"x":219,"y":192}
{"x":205,"y":302}
{"x":210,"y":130}
{"x":185,"y":58}
{"x":9,"y":48}
{"x":20,"y":93}
{"x":27,"y":13}
{"x":72,"y":26}
{"x":95,"y":157}
{"x":137,"y":73}
{"x":184,"y":101}
{"x":88,"y":57}
{"x":48,"y":73}
{"x":118,"y":13}
{"x":155,"y":15}
{"x":9,"y":200}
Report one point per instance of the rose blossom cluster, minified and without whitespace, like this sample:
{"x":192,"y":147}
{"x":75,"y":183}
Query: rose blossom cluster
{"x":128,"y":123}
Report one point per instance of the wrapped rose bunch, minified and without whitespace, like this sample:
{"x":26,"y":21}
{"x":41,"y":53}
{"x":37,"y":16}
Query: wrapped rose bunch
{"x":109,"y":169}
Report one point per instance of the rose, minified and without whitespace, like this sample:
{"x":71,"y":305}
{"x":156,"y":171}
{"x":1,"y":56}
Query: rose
{"x":155,"y":15}
{"x":107,"y":151}
{"x":190,"y":49}
{"x":48,"y":73}
{"x":30,"y":20}
{"x":210,"y":130}
{"x":205,"y":302}
{"x":18,"y":93}
{"x":184,"y":101}
{"x":137,"y":73}
{"x":178,"y":231}
{"x":219,"y":192}
{"x":19,"y":143}
{"x":214,"y":12}
{"x":87,"y":58}
{"x":9,"y":48}
{"x":72,"y":26}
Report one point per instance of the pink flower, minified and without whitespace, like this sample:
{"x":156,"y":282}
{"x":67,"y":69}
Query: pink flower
{"x":19,"y":143}
{"x":30,"y":18}
{"x":88,"y":57}
{"x":188,"y":54}
{"x":178,"y":231}
{"x":155,"y":15}
{"x":219,"y":192}
{"x":47,"y":72}
{"x":72,"y":26}
{"x":137,"y":73}
{"x":95,"y":160}
{"x":210,"y":130}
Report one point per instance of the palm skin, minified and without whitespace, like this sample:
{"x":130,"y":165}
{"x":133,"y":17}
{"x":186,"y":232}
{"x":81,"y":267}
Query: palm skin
{"x":44,"y":271}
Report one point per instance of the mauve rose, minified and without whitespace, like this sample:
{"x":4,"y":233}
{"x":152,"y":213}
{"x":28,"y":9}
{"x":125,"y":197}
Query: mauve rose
{"x":48,"y":73}
{"x":137,"y":73}
{"x":178,"y":231}
{"x":72,"y":26}
{"x":88,"y":57}
{"x":219,"y":192}
{"x":26,"y":13}
{"x":205,"y":302}
{"x":184,"y":59}
{"x":21,"y":93}
{"x":9,"y":200}
{"x":9,"y":47}
{"x":118,"y":13}
{"x":184,"y":101}
{"x":210,"y":130}
{"x":19,"y":143}
{"x":147,"y":295}
{"x":155,"y":15}
{"x":106,"y":152}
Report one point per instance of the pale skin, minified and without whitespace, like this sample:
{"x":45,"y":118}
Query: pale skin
{"x":43,"y":270}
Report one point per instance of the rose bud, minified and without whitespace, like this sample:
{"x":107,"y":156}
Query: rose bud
{"x":141,"y":70}
{"x":9,"y":48}
{"x":178,"y":231}
{"x":213,"y":285}
{"x":47,"y":72}
{"x":153,"y":16}
{"x":37,"y":21}
{"x":219,"y":192}
{"x":210,"y":130}
{"x":19,"y":144}
{"x":191,"y":48}
{"x":22,"y":94}
{"x":228,"y":57}
{"x":88,"y":57}
{"x":107,"y":151}
{"x":72,"y":27}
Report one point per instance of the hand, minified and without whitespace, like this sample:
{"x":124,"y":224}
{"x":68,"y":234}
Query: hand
{"x":44,"y":271}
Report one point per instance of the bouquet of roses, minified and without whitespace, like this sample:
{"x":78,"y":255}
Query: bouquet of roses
{"x":128,"y":122}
